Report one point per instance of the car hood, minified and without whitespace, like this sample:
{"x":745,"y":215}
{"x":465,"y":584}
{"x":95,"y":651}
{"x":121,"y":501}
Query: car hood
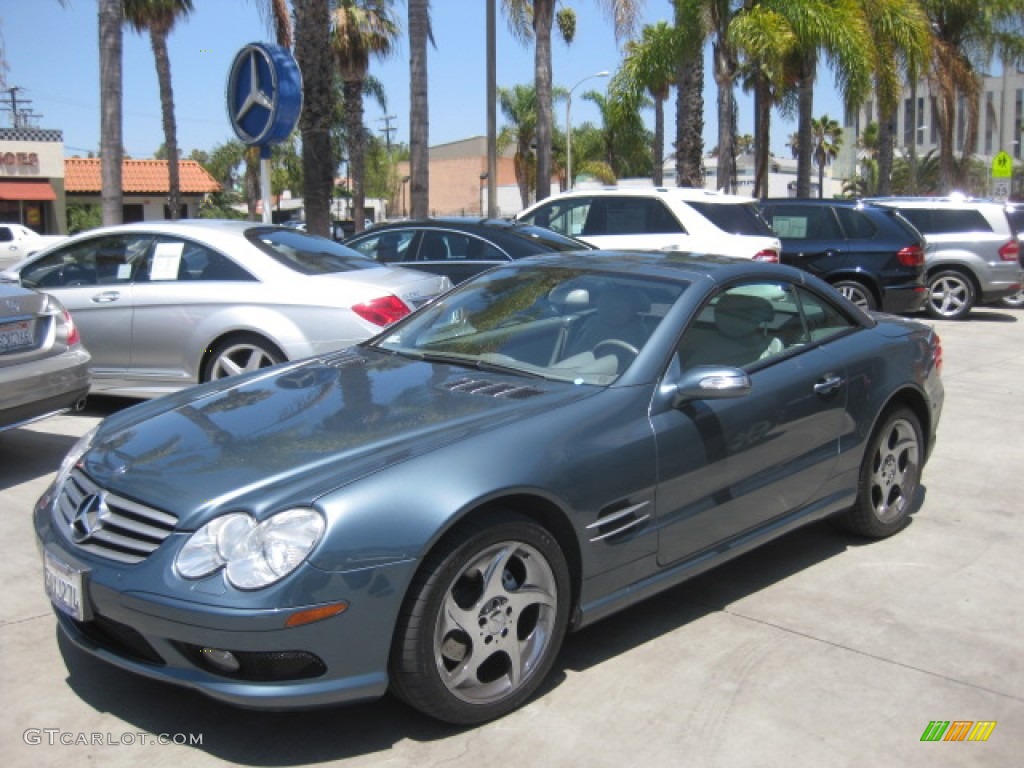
{"x":290,"y":435}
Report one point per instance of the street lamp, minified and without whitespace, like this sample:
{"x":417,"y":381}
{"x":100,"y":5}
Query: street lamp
{"x":568,"y":125}
{"x":483,"y":178}
{"x":405,"y":211}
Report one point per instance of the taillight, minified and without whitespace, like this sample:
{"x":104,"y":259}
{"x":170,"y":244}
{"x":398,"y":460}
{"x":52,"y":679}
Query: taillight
{"x":382,"y":311}
{"x":1010,"y":250}
{"x":937,"y":352}
{"x":911,"y":256}
{"x":767,"y":254}
{"x":73,"y":335}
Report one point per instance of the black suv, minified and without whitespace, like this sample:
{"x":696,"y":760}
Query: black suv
{"x":870,"y":254}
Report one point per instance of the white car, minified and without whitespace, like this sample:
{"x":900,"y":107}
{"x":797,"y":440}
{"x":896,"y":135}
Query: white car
{"x":659,"y":218}
{"x":18,"y":242}
{"x":164,"y":305}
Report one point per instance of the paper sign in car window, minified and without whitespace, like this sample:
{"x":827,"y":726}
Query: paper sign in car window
{"x":790,"y":226}
{"x":166,"y":260}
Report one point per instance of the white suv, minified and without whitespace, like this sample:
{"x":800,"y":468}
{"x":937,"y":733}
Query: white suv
{"x":659,"y":218}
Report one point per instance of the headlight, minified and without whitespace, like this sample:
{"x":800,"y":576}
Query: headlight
{"x":73,"y":456}
{"x":253,"y":555}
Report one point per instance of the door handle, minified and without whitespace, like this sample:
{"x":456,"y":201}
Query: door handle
{"x":828,"y":384}
{"x":106,"y":297}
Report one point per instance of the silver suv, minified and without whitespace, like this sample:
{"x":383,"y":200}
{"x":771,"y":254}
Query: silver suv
{"x":659,"y":218}
{"x":972,"y":257}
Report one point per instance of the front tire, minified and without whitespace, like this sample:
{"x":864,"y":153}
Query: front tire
{"x":950,"y":295}
{"x":483,"y":621}
{"x":890,"y":477}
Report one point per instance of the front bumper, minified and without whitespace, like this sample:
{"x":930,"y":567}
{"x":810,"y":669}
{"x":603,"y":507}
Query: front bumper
{"x":174,"y":634}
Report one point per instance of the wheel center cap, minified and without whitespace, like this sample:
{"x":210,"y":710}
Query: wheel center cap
{"x":889,"y":469}
{"x":494,"y":616}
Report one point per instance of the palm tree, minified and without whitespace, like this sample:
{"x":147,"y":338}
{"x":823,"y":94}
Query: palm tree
{"x":626,"y":141}
{"x":828,"y":138}
{"x":419,"y":122}
{"x":111,"y":124}
{"x":312,"y":54}
{"x":689,"y":143}
{"x":650,"y":64}
{"x":535,"y":19}
{"x":362,"y":28}
{"x":519,"y":106}
{"x":965,"y":36}
{"x":158,"y":17}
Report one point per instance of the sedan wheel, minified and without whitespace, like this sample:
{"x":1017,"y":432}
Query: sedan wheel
{"x":858,"y":293}
{"x":483,"y":622}
{"x":889,"y":477}
{"x":241,"y":354}
{"x":950,"y":295}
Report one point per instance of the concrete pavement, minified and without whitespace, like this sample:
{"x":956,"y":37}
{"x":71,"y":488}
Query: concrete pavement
{"x":817,"y":650}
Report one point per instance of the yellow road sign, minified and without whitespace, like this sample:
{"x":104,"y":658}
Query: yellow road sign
{"x":1002,"y":166}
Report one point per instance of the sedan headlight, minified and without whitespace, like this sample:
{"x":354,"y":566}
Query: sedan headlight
{"x":73,"y":456}
{"x":253,"y":555}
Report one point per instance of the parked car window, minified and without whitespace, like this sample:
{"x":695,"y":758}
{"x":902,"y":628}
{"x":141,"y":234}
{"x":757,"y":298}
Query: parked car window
{"x":106,"y":260}
{"x":804,"y":222}
{"x":6,"y":235}
{"x":307,"y":254}
{"x":440,"y":245}
{"x":567,"y":217}
{"x":388,"y":246}
{"x":749,"y":323}
{"x":630,"y":216}
{"x":855,"y":224}
{"x":737,"y":219}
{"x":946,"y":220}
{"x":176,"y":259}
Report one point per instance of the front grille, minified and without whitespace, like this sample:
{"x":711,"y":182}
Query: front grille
{"x":492,"y":389}
{"x":108,"y":525}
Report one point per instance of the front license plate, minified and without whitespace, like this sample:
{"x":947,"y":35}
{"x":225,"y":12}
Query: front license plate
{"x":64,"y":587}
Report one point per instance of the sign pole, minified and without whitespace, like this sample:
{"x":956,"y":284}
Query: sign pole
{"x":265,"y":183}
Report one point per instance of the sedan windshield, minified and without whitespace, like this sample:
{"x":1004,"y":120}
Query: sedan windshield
{"x":555,"y":322}
{"x":308,"y":254}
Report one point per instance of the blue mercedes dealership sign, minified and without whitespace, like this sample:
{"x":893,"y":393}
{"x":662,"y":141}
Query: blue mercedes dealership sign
{"x":264,"y":94}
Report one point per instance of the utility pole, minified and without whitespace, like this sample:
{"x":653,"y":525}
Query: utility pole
{"x":20,"y":116}
{"x":386,"y":130}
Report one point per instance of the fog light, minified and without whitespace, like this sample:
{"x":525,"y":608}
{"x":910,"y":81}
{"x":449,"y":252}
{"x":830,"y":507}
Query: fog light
{"x":222,"y":660}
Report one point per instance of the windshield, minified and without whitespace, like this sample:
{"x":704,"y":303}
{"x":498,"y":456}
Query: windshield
{"x":560,"y":323}
{"x":308,"y":254}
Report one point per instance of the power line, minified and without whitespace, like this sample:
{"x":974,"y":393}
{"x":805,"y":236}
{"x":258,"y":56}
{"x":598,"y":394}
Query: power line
{"x":387,"y":129}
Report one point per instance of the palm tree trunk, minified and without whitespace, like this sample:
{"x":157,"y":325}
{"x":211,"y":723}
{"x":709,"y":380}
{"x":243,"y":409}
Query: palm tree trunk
{"x":111,"y":128}
{"x":805,"y":101}
{"x":658,"y":152}
{"x":354,"y":130}
{"x":762,"y":134}
{"x":419,"y":122}
{"x":724,"y":80}
{"x":313,"y":55}
{"x":886,"y":137}
{"x":158,"y":40}
{"x":689,"y":143}
{"x":543,"y":20}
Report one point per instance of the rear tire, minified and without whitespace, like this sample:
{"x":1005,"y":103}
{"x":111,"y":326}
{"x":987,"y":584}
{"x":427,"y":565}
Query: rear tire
{"x":483,"y":621}
{"x":890,"y":477}
{"x":858,"y":293}
{"x":950,"y":295}
{"x":241,"y":354}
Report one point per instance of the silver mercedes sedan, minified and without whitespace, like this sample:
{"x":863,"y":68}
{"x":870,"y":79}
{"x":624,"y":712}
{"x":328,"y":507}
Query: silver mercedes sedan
{"x":164,"y":305}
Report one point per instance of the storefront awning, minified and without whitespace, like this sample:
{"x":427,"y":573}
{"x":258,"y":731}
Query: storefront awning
{"x":26,"y":190}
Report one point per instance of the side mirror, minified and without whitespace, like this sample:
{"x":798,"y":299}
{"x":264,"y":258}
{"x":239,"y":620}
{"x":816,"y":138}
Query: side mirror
{"x":711,"y":383}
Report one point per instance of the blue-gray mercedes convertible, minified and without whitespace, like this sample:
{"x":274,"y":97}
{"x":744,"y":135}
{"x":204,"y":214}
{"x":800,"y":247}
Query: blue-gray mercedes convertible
{"x":430,"y":512}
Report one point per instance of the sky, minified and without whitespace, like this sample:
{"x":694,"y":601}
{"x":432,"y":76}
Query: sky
{"x":52,"y":53}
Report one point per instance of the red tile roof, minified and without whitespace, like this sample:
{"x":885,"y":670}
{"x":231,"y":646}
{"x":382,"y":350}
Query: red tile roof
{"x":137,"y":176}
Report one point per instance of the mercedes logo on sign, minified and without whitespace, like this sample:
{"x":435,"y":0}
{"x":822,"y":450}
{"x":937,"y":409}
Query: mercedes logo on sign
{"x":89,"y":518}
{"x":264,"y":94}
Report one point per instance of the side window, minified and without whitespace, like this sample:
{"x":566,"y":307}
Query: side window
{"x":434,"y":246}
{"x":800,"y":223}
{"x":5,"y":235}
{"x":856,"y":224}
{"x":634,"y":216}
{"x":386,"y":247}
{"x":173,"y":259}
{"x":106,"y":260}
{"x":819,"y":320}
{"x":568,"y":217}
